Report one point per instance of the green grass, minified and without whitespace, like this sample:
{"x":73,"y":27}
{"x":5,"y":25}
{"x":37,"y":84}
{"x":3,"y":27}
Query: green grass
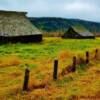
{"x":50,"y":47}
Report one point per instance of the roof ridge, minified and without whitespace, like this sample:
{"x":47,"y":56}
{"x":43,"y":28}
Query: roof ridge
{"x":8,"y":11}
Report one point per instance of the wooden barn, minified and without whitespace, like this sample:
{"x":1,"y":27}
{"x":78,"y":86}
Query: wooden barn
{"x":77,"y":32}
{"x":15,"y":27}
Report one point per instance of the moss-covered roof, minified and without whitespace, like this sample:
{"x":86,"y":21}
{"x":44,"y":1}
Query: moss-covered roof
{"x":16,"y":24}
{"x":82,"y":30}
{"x":79,"y":28}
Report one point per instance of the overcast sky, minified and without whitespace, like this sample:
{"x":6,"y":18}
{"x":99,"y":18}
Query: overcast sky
{"x":81,"y":9}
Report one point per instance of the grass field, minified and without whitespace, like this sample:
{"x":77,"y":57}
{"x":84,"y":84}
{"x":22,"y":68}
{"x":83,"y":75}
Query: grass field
{"x":49,"y":47}
{"x":85,"y":83}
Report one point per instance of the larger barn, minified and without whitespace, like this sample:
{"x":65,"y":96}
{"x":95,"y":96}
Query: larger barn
{"x":15,"y":27}
{"x":77,"y":32}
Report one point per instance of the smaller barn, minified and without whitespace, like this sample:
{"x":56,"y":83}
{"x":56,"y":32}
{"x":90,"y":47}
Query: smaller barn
{"x":77,"y":32}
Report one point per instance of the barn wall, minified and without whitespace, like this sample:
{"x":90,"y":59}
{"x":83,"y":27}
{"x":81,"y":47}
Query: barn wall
{"x":22,"y":39}
{"x":78,"y":37}
{"x":86,"y":37}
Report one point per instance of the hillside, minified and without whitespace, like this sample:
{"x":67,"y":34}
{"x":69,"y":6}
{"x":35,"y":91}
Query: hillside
{"x":52,"y":25}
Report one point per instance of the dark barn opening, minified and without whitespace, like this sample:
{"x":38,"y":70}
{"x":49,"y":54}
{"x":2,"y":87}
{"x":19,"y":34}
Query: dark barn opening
{"x":21,"y":39}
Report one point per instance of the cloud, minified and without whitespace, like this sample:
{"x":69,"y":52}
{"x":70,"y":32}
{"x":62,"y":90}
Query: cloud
{"x":83,"y":9}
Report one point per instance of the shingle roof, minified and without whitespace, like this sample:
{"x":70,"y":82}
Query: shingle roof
{"x":82,"y":30}
{"x":16,"y":24}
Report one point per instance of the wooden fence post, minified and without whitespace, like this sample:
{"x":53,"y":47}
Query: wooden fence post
{"x":96,"y":54}
{"x":87,"y":57}
{"x":26,"y":79}
{"x":74,"y":64}
{"x":55,"y":69}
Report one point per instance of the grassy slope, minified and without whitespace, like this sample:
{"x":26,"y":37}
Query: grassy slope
{"x":85,"y":82}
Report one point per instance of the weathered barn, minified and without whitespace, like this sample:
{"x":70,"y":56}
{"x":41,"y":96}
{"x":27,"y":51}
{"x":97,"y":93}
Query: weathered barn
{"x":78,"y":33}
{"x":15,"y":27}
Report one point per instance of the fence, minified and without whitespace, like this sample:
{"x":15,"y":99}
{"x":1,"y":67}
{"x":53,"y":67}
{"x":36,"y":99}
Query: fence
{"x":70,"y":69}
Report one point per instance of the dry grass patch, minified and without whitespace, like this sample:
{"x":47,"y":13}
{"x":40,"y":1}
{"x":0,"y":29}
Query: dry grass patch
{"x":12,"y":60}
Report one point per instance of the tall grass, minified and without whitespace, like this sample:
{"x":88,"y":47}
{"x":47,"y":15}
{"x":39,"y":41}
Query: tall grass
{"x":40,"y":59}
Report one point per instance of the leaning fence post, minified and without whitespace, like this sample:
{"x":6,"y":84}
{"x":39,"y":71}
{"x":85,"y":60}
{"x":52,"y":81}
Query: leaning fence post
{"x":87,"y":57}
{"x":55,"y":69}
{"x":26,"y":79}
{"x":74,"y":63}
{"x":96,"y":54}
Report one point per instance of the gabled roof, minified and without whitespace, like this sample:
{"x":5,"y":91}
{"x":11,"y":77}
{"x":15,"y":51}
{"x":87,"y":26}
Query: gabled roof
{"x":16,"y":24}
{"x":81,"y":30}
{"x":12,"y":12}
